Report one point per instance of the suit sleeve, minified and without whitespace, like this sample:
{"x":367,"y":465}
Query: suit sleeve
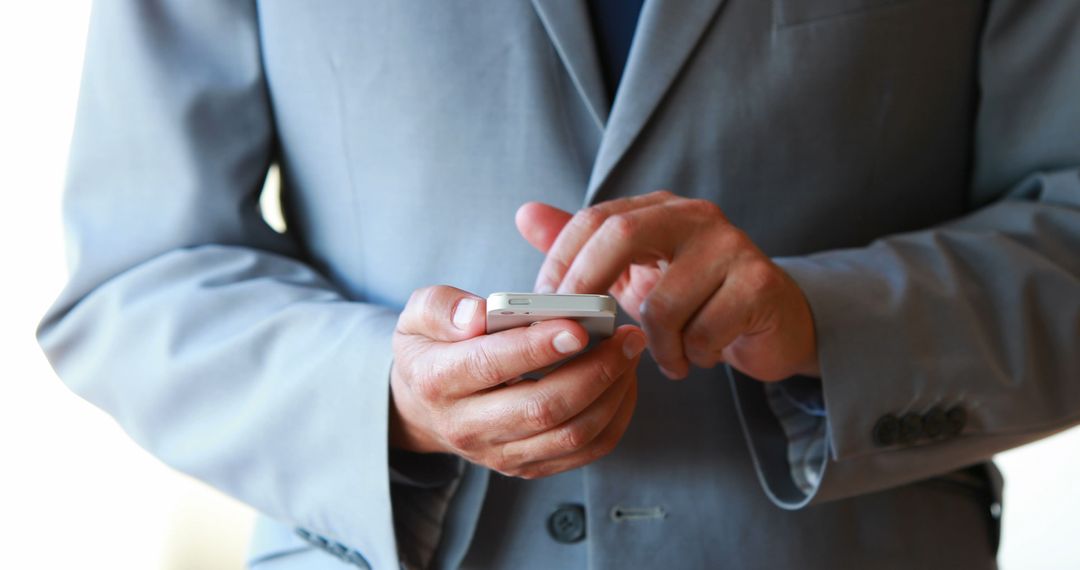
{"x":940,"y":348}
{"x":204,"y":333}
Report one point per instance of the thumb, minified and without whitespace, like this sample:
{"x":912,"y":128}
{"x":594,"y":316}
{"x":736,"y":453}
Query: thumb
{"x":443,"y":313}
{"x":540,"y":224}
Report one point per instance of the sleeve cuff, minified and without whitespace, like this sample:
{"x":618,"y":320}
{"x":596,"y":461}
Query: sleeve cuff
{"x":790,"y":484}
{"x":424,"y":470}
{"x":798,"y":406}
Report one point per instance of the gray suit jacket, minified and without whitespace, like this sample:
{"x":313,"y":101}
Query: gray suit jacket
{"x":912,"y":163}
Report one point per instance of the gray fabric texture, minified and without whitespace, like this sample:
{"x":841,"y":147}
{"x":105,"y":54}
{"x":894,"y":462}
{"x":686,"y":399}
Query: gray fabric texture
{"x":913,"y":164}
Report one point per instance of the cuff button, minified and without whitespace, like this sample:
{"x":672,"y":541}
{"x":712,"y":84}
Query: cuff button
{"x":934,"y":422}
{"x":887,"y":431}
{"x":955,"y":420}
{"x":911,"y":428}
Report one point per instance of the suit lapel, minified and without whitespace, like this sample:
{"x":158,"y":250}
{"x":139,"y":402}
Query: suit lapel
{"x":567,"y":22}
{"x":666,"y":36}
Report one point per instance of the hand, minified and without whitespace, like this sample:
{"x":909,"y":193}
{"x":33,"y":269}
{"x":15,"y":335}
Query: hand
{"x":703,"y":292}
{"x":449,"y":392}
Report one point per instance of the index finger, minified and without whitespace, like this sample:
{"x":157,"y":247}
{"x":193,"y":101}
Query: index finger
{"x":636,"y":236}
{"x":579,"y":230}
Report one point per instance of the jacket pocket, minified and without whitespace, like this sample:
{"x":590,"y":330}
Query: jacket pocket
{"x":788,"y":13}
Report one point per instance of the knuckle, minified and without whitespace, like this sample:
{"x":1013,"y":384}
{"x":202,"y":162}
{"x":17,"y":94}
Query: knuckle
{"x":501,"y":460}
{"x":620,"y":226}
{"x":459,"y":436}
{"x":480,"y":365}
{"x":427,"y":388}
{"x":591,"y":218}
{"x":529,"y":473}
{"x":536,"y":353}
{"x":537,"y":413}
{"x":554,"y":269}
{"x":505,"y":470}
{"x":733,"y":239}
{"x":424,"y":296}
{"x":503,"y":464}
{"x":705,"y":208}
{"x":572,"y":437}
{"x":762,"y":275}
{"x":575,"y":285}
{"x":663,"y":193}
{"x":606,"y":371}
{"x":541,"y":412}
{"x":417,"y":296}
{"x":425,"y":302}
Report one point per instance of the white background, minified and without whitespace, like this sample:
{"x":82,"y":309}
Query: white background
{"x":75,"y":492}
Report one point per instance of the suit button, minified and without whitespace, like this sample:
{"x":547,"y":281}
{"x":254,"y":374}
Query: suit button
{"x":911,"y":428}
{"x":933,"y":422}
{"x":567,"y":524}
{"x":886,"y":430}
{"x":955,"y":420}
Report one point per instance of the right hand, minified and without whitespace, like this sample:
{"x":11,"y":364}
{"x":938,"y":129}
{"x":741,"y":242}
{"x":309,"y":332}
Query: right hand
{"x":449,"y":394}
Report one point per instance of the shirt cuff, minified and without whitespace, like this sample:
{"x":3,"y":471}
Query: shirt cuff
{"x":421,"y":488}
{"x":425,"y":470}
{"x":799,"y":406}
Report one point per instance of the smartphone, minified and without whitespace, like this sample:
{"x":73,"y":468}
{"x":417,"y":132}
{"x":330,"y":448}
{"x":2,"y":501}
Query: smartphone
{"x":508,"y":310}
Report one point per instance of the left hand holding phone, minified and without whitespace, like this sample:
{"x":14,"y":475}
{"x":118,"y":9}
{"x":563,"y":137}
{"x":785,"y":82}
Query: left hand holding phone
{"x":445,"y":368}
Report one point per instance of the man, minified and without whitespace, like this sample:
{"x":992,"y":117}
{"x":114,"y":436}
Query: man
{"x":865,"y":271}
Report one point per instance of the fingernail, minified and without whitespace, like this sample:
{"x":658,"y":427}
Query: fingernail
{"x":633,"y":345}
{"x":544,"y":288}
{"x":464,"y":312}
{"x":566,"y":343}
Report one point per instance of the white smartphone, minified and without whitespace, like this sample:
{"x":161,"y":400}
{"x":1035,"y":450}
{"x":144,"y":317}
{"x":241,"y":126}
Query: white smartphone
{"x":508,"y":310}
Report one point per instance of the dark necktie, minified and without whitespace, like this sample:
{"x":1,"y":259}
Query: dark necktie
{"x":613,"y":23}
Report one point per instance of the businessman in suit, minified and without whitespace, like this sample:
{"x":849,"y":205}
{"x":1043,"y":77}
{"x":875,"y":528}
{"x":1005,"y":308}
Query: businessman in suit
{"x":865,"y":271}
